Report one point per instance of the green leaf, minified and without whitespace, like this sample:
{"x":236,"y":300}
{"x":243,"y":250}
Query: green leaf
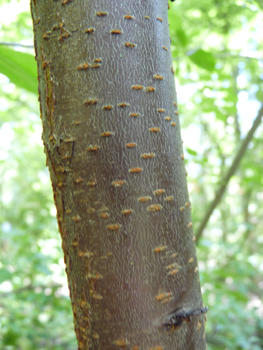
{"x":177,"y":30}
{"x":181,"y":36}
{"x":191,"y":151}
{"x":203,"y":59}
{"x":4,"y":275}
{"x":10,"y":337}
{"x":19,"y":67}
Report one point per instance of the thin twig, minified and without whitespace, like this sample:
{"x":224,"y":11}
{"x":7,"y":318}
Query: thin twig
{"x":229,"y":174}
{"x":30,"y":287}
{"x":17,"y":44}
{"x":188,"y":53}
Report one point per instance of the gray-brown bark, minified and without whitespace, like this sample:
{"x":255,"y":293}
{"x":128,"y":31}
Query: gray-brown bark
{"x":112,"y":139}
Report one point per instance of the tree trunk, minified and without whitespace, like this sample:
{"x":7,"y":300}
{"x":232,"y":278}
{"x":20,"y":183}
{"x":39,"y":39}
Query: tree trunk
{"x":112,"y":139}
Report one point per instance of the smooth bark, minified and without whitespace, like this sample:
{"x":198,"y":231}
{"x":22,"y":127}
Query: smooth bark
{"x":112,"y":139}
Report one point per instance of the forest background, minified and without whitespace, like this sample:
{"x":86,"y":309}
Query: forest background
{"x":217,"y":48}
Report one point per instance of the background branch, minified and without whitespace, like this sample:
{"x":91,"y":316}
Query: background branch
{"x":30,"y":287}
{"x":229,"y":174}
{"x":17,"y":44}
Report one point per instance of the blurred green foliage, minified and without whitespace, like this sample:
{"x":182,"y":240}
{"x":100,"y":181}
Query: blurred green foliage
{"x":217,"y":46}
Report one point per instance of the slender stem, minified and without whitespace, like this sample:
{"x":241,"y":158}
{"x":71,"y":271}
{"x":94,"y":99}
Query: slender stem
{"x":229,"y":174}
{"x":30,"y":287}
{"x":17,"y":44}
